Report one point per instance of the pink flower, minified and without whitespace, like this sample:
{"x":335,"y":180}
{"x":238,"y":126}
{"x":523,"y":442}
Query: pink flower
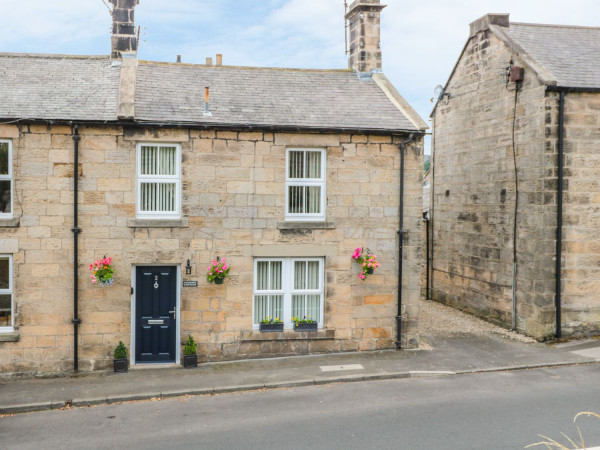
{"x":225,"y":267}
{"x":362,"y":276}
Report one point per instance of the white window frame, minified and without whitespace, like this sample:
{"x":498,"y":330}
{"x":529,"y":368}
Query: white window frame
{"x":295,"y":217}
{"x":9,"y":178}
{"x":143,"y":178}
{"x":9,"y":291}
{"x":287,"y":288}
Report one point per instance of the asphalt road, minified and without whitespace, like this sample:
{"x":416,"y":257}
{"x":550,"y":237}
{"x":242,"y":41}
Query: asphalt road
{"x":482,"y":411}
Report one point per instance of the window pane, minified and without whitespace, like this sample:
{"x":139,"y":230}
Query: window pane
{"x":158,"y":197}
{"x":5,"y":196}
{"x":313,"y":199}
{"x":296,"y":161}
{"x":149,"y":161}
{"x":300,"y":275}
{"x":5,"y":311}
{"x":313,"y":164}
{"x":296,"y":200}
{"x":313,"y":307}
{"x":4,"y":160}
{"x":313,"y":275}
{"x":167,"y":165}
{"x":275,"y":275}
{"x":262,"y":275}
{"x":4,"y":273}
{"x":268,"y":306}
{"x":307,"y":306}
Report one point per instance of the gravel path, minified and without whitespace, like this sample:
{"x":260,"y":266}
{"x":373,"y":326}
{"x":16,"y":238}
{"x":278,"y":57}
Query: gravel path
{"x":436,"y":319}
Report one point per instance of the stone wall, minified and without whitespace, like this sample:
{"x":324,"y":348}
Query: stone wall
{"x":233,"y":206}
{"x":474,"y":192}
{"x":581,"y":215}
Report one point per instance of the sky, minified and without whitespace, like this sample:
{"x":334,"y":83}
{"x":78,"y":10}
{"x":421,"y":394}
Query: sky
{"x":420,"y":40}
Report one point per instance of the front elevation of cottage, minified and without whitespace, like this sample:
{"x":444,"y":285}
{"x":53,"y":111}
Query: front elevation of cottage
{"x":279,"y":173}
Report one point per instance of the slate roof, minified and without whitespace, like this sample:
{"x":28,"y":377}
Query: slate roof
{"x":570,"y":54}
{"x":57,"y":87}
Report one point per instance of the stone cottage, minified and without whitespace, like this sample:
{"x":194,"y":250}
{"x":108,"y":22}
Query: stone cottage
{"x":165,"y":167}
{"x":515,"y":186}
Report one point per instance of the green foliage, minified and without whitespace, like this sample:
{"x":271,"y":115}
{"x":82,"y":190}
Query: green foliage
{"x":426,"y":165}
{"x":304,"y":320}
{"x":121,"y":351}
{"x":190,"y":346}
{"x":271,"y":320}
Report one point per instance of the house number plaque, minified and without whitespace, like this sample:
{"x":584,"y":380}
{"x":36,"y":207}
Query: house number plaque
{"x":188,"y":283}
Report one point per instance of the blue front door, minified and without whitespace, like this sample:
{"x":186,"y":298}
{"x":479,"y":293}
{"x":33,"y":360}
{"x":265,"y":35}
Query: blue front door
{"x":156,"y":309}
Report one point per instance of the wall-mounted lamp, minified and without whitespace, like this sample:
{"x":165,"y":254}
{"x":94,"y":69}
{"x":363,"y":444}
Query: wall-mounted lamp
{"x":188,"y":268}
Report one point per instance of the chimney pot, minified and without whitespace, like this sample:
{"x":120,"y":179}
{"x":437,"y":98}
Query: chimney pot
{"x":178,"y":58}
{"x":209,"y":61}
{"x":219,"y":59}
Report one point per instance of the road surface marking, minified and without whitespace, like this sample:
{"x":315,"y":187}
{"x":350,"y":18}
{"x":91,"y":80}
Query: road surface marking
{"x":340,"y":368}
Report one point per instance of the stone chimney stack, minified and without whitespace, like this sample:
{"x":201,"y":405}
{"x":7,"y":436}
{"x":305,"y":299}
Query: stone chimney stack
{"x":124,"y":39}
{"x":365,"y":49}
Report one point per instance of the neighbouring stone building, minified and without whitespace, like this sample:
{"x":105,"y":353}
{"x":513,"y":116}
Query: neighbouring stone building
{"x":283,"y":172}
{"x":516,"y":154}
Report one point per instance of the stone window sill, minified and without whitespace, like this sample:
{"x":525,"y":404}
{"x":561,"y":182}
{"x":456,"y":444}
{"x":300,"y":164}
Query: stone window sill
{"x":306,"y":225}
{"x":288,"y":335}
{"x":157,"y":223}
{"x":9,"y":223}
{"x":11,"y":336}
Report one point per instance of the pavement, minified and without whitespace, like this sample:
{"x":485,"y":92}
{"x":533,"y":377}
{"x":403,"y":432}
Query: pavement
{"x":446,"y":355}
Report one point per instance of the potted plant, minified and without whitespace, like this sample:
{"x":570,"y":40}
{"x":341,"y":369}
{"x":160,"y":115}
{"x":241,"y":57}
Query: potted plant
{"x":268,"y":325}
{"x":102,"y":272}
{"x":217,"y":271}
{"x":190,"y":358}
{"x":120,"y":358}
{"x":368,"y":262}
{"x":305,"y":324}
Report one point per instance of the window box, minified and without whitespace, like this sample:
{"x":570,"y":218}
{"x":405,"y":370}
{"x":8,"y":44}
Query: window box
{"x":306,"y":326}
{"x":270,"y":327}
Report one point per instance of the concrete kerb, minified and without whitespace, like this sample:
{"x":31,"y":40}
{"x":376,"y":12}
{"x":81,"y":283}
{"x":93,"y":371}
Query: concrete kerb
{"x":318,"y":381}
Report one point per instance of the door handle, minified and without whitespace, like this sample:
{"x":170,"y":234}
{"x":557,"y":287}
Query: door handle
{"x":174,"y":312}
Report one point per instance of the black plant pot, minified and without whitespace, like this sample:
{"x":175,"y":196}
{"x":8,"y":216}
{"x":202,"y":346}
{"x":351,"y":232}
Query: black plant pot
{"x":270,"y":327}
{"x":120,"y":365}
{"x":306,"y":326}
{"x":190,"y":361}
{"x":370,"y":270}
{"x":219,"y":280}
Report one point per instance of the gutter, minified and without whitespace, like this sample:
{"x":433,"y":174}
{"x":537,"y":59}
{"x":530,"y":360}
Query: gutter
{"x":401,"y":241}
{"x":76,"y":320}
{"x":215,"y":126}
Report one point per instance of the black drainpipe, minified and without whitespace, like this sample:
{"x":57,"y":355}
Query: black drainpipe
{"x":427,"y":222}
{"x":76,"y":320}
{"x":559,"y":204}
{"x":401,"y":242}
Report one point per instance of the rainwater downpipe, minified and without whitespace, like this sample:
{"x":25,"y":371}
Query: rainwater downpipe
{"x":401,"y":241}
{"x":76,"y":320}
{"x":559,"y":211}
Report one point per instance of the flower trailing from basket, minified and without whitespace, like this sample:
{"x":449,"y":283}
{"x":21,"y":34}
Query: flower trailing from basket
{"x":102,"y":272}
{"x":306,"y":319}
{"x":218,"y":270}
{"x":368,"y":262}
{"x":269,"y":319}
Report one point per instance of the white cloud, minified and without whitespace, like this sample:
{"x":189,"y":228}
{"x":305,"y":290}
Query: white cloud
{"x":421,"y":41}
